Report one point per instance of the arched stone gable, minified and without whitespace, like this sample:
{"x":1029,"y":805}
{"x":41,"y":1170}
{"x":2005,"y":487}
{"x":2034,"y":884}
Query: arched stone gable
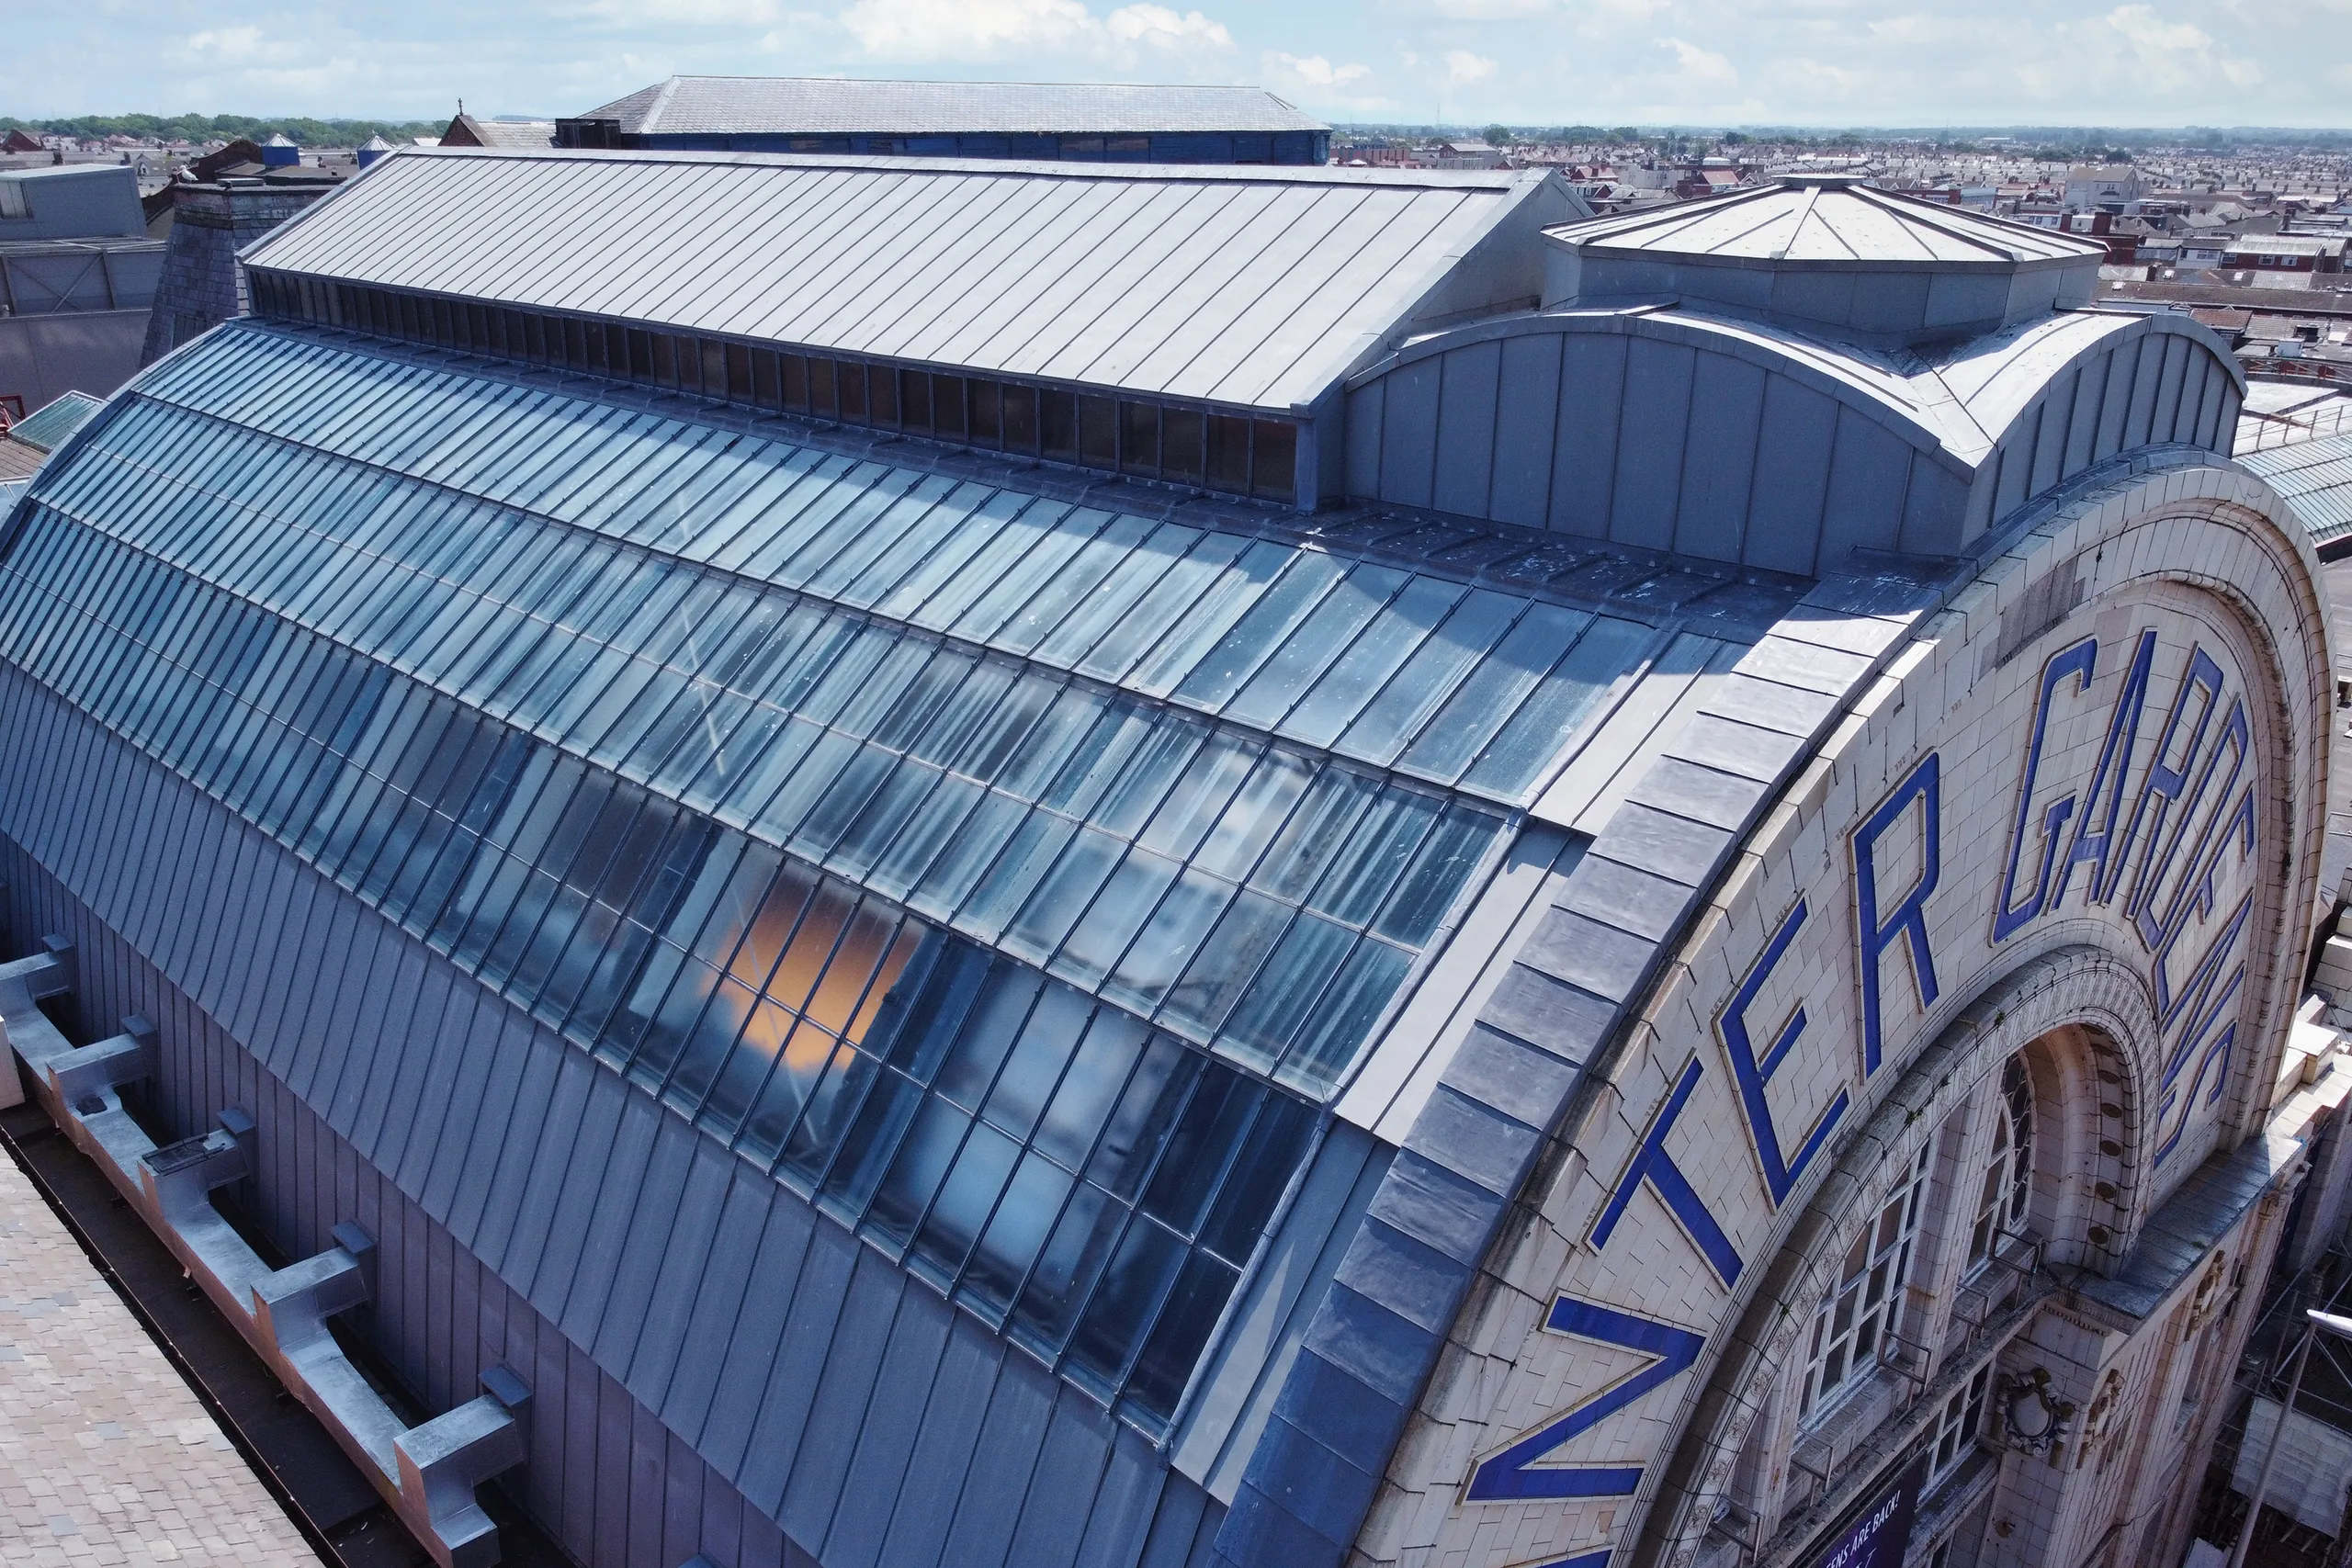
{"x":1578,"y":1368}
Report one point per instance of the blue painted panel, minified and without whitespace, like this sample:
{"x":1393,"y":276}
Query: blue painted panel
{"x":747,"y":1255}
{"x":725,"y":1431}
{"x":1726,"y":409}
{"x":1471,"y":383}
{"x":1010,"y":1438}
{"x":658,"y":1218}
{"x":1584,"y":463}
{"x":575,"y":1297}
{"x":518,"y":1148}
{"x":1527,"y":410}
{"x":799,"y":1362}
{"x":1651,"y":435}
{"x":1062,"y":1490}
{"x":1864,"y":507}
{"x":844,"y":1387}
{"x":884,"y":1439}
{"x":691,"y":1254}
{"x":941,"y":1457}
{"x":1407,"y":434}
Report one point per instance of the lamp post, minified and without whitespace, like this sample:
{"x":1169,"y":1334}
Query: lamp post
{"x":2320,"y":1323}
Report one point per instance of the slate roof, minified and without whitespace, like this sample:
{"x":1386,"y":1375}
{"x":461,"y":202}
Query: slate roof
{"x":1826,"y":219}
{"x":750,"y":105}
{"x":1258,"y":287}
{"x":523,"y":133}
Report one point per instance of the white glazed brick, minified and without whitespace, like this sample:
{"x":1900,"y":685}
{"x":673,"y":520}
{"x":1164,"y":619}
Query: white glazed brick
{"x":1945,"y":696}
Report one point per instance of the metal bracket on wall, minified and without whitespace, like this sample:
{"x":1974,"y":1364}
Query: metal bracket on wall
{"x":428,"y":1473}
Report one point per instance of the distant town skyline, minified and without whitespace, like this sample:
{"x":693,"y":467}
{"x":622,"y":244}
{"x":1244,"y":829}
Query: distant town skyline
{"x":1818,"y":62}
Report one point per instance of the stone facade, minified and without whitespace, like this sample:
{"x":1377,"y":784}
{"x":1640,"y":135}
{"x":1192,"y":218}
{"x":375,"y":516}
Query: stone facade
{"x":2064,"y":820}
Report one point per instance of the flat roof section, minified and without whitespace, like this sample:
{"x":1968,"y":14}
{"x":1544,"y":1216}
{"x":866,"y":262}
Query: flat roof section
{"x":105,"y":1453}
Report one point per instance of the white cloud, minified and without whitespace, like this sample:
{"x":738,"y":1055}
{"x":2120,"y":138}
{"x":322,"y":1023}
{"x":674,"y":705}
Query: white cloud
{"x":2178,"y":54}
{"x":1313,"y":71}
{"x":1463,"y":68}
{"x":1701,"y":67}
{"x":977,"y":30}
{"x":1492,"y":10}
{"x":1157,"y":27}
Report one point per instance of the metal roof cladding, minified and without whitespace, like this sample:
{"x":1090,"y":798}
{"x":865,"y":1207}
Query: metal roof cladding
{"x":1826,"y":220}
{"x":1257,"y":288}
{"x":750,"y":106}
{"x":1828,"y":254}
{"x":2315,"y":477}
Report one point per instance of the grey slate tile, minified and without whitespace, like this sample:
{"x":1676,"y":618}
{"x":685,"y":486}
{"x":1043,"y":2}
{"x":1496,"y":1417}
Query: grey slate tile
{"x":1704,"y":795}
{"x":1437,"y":1206}
{"x":1525,"y":1083}
{"x":1588,"y":955}
{"x":1476,"y":1140}
{"x":1652,"y":840}
{"x":1388,"y":1353}
{"x":1415,"y":1281}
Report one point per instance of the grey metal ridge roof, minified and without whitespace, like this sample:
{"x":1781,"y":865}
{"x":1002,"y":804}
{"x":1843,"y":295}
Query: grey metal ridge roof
{"x":751,"y":105}
{"x":1256,"y":287}
{"x":1825,"y":221}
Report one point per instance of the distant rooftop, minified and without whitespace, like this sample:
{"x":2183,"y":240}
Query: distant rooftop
{"x":47,"y":428}
{"x":815,"y":106}
{"x":465,"y":130}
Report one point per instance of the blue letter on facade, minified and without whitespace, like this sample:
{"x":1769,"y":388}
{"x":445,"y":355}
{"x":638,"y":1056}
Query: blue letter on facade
{"x":2079,"y":662}
{"x":1513,"y":1473}
{"x":1654,"y":1165}
{"x":1752,"y":1073}
{"x":1908,"y":919}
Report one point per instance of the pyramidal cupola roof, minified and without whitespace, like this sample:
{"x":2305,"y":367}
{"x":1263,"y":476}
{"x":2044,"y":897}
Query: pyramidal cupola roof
{"x":1828,"y":254}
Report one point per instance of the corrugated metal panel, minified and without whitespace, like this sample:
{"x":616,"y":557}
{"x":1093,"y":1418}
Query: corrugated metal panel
{"x":771,"y":106}
{"x":1256,"y":287}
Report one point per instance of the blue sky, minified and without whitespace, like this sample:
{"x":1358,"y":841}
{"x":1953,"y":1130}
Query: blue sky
{"x":1611,"y":62}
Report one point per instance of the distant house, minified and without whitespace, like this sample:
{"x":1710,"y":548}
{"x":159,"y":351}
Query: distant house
{"x":2098,"y":184}
{"x":20,"y":141}
{"x":1093,"y":123}
{"x":2285,"y":253}
{"x":522,"y":134}
{"x":1467,"y":154}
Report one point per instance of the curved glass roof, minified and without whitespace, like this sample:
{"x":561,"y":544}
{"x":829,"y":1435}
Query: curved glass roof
{"x":1092,"y":741}
{"x":1012,"y":877}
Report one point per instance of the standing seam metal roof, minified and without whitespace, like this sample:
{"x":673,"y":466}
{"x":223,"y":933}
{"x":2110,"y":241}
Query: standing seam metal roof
{"x":1256,"y":287}
{"x":809,"y":105}
{"x":1816,"y":220}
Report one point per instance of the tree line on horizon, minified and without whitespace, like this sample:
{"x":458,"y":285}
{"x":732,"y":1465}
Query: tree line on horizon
{"x":300,"y":129}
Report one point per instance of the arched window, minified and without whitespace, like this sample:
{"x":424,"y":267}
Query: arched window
{"x":2005,"y":1189}
{"x":1866,"y":1303}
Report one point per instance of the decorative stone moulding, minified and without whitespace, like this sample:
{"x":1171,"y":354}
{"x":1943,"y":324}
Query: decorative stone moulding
{"x":427,"y":1473}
